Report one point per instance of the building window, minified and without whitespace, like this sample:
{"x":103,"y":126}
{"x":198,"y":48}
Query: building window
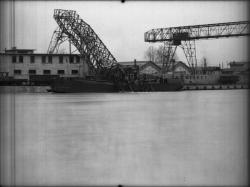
{"x":32,"y":59}
{"x":21,"y":59}
{"x":77,"y":59}
{"x":50,"y":59}
{"x":60,"y":59}
{"x":17,"y":72}
{"x":43,"y":59}
{"x":14,"y":59}
{"x":71,"y":59}
{"x":32,"y":72}
{"x":74,"y":72}
{"x":60,"y":72}
{"x":46,"y":72}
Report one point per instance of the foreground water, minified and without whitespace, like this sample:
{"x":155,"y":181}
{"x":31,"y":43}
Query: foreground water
{"x":165,"y":138}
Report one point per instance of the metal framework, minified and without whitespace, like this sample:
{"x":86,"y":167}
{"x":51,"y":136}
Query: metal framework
{"x":82,"y":36}
{"x":168,"y":54}
{"x":185,"y":36}
{"x":57,"y":39}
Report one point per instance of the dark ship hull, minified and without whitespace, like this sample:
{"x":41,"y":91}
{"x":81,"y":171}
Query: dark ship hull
{"x":82,"y":86}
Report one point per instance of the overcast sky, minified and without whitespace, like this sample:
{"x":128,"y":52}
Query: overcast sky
{"x":121,"y":26}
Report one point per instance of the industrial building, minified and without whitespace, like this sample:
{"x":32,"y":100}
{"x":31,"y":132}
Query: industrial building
{"x":144,"y":67}
{"x":237,"y":71}
{"x":23,"y":64}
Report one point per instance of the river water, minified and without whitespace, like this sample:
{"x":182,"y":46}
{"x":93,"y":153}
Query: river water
{"x":154,"y":138}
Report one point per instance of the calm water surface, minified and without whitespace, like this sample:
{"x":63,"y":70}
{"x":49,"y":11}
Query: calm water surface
{"x":165,"y":138}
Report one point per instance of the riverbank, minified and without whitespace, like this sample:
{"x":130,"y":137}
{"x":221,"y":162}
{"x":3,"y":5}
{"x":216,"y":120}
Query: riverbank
{"x":24,"y":89}
{"x":44,"y":89}
{"x":215,"y":87}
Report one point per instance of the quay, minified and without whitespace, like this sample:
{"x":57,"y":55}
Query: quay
{"x":215,"y":87}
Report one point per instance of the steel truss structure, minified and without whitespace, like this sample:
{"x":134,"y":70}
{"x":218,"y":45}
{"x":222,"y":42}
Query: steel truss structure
{"x":185,"y":36}
{"x":57,"y":39}
{"x":82,"y":36}
{"x":168,"y":54}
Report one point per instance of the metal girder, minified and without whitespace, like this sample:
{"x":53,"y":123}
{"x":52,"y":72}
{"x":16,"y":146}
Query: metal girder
{"x":190,"y":53}
{"x":206,"y":31}
{"x":185,"y":36}
{"x":83,"y":37}
{"x":56,"y":40}
{"x":169,"y":50}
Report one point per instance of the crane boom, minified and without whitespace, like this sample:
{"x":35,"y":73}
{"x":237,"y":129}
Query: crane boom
{"x":83,"y":37}
{"x":195,"y":32}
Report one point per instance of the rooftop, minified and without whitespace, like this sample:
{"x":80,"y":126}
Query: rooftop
{"x":131,"y":63}
{"x":16,"y":51}
{"x":19,"y":51}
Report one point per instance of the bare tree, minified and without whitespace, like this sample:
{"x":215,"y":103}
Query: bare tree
{"x":150,"y":54}
{"x":157,"y":54}
{"x":160,"y":54}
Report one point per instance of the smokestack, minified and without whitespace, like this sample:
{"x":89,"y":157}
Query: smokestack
{"x":134,"y":62}
{"x":205,"y":62}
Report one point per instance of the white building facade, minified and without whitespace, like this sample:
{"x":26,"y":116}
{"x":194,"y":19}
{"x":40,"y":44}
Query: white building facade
{"x":21,"y":63}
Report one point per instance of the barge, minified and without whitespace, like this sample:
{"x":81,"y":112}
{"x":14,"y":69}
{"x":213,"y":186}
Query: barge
{"x":102,"y":86}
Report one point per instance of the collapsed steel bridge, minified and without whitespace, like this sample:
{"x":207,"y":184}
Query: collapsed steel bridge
{"x":73,"y":29}
{"x":185,"y":37}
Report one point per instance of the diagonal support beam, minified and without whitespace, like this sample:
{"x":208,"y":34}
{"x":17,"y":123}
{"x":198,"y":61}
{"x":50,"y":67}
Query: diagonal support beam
{"x":57,"y":39}
{"x":189,"y":50}
{"x":169,"y":52}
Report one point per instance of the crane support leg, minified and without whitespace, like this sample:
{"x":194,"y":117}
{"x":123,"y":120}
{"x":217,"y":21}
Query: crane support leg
{"x":189,"y":49}
{"x":169,"y":50}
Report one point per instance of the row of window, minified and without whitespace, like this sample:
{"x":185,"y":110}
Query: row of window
{"x":196,"y":77}
{"x":45,"y":72}
{"x":208,"y":72}
{"x":46,"y":59}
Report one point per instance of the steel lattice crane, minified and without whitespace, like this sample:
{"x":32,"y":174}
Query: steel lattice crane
{"x":82,"y":36}
{"x":185,"y":37}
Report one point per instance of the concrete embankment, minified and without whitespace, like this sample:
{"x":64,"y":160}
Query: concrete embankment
{"x":215,"y":87}
{"x":24,"y":89}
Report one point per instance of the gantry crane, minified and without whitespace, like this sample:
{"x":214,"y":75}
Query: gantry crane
{"x":73,"y":29}
{"x":185,"y":37}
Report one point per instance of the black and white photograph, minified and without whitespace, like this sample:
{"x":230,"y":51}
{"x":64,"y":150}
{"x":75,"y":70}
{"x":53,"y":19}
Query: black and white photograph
{"x":124,"y":93}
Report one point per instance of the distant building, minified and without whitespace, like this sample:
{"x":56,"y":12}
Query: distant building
{"x":23,"y":63}
{"x":147,"y":68}
{"x":239,"y":66}
{"x":150,"y":68}
{"x":181,"y":69}
{"x":206,"y":75}
{"x":202,"y":75}
{"x":237,"y":70}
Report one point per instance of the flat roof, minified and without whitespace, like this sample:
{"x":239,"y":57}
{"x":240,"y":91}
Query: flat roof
{"x":39,"y":54}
